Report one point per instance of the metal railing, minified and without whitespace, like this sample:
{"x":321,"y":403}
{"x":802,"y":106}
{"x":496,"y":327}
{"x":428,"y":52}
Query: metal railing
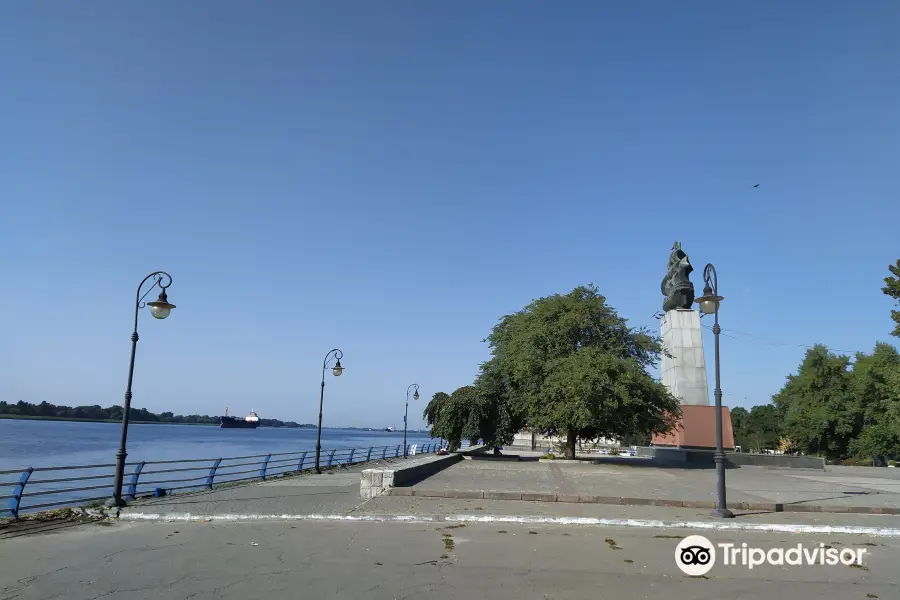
{"x":37,"y":488}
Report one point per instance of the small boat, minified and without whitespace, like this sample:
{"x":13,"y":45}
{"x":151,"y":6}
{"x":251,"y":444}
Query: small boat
{"x":251,"y":421}
{"x":388,"y":428}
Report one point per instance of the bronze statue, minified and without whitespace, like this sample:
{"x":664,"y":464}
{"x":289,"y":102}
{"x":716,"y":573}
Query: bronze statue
{"x":676,"y":285}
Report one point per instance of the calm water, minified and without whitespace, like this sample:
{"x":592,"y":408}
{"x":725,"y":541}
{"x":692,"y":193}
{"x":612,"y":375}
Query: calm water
{"x":29,"y":443}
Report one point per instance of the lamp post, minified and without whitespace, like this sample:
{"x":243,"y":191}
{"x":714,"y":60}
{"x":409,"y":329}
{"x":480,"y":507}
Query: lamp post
{"x":160,"y":309}
{"x":336,"y":370}
{"x":406,"y":411}
{"x":709,"y":304}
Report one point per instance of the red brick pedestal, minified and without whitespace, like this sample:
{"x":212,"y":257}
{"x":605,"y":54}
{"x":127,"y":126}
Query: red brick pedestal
{"x":697,"y":429}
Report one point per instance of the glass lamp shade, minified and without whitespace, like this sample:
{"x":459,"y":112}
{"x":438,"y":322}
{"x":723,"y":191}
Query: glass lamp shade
{"x":416,"y":395}
{"x":159,"y":311}
{"x":338,"y":369}
{"x":709,"y":303}
{"x":708,"y":306}
{"x":160,"y":308}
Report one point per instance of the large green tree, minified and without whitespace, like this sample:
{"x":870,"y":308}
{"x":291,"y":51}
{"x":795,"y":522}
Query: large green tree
{"x":571,"y":365}
{"x":762,"y":427}
{"x":892,"y":289}
{"x":875,"y":383}
{"x":821,"y":415}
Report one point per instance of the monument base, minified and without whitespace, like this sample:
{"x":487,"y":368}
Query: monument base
{"x":697,"y":429}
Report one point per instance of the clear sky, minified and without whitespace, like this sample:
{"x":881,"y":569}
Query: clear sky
{"x":390,"y":178}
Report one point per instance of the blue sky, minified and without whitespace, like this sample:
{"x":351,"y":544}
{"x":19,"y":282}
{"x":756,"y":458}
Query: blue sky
{"x":391,"y":178}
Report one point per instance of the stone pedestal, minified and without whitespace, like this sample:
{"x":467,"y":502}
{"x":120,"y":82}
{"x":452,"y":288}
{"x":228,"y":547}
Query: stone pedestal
{"x":684,"y":375}
{"x":697,"y":429}
{"x":684,"y":369}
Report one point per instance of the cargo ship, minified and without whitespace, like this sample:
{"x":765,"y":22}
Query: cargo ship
{"x":251,"y":421}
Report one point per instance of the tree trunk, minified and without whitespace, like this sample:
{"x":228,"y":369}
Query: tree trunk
{"x":571,"y":440}
{"x":453,"y":445}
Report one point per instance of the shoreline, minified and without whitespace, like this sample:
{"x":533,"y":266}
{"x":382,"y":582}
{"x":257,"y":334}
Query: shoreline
{"x":8,"y":417}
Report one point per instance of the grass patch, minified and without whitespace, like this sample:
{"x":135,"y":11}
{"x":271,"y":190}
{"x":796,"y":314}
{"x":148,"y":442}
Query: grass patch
{"x":871,"y":596}
{"x":629,"y":561}
{"x":455,"y":526}
{"x":444,"y":556}
{"x":501,"y":531}
{"x":612,"y":544}
{"x":667,"y":537}
{"x":378,"y":564}
{"x":448,"y":543}
{"x":856,"y":566}
{"x":532,"y":533}
{"x":698,"y":577}
{"x":870,"y":544}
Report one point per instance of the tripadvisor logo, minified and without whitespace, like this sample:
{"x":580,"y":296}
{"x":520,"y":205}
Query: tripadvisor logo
{"x":695,"y":555}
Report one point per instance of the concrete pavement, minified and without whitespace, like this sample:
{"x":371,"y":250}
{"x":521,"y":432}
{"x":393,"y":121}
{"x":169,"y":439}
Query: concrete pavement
{"x":838,"y":488}
{"x":412,"y":560}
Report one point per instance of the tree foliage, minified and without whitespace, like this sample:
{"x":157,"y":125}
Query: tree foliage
{"x":758,"y":429}
{"x":46,"y":410}
{"x":836,"y":410}
{"x":572,"y":366}
{"x":892,"y":289}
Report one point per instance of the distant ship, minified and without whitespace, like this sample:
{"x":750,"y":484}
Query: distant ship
{"x":388,"y":428}
{"x":251,"y":421}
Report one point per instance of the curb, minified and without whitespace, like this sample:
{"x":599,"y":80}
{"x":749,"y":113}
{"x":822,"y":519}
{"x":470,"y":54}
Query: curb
{"x":524,"y":520}
{"x":628,"y":501}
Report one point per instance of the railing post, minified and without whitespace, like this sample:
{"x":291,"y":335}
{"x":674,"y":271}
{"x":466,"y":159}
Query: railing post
{"x":212,"y":473}
{"x":350,"y":460}
{"x":302,"y":460}
{"x":263,"y":466}
{"x":398,"y":450}
{"x":17,"y":493}
{"x":132,"y":487}
{"x":331,"y":458}
{"x":369,"y":455}
{"x":384,"y":453}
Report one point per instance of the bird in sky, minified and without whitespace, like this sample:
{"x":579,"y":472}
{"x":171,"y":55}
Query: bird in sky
{"x":757,"y":185}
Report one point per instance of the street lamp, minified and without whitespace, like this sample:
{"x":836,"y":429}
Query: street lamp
{"x":709,"y":304}
{"x":336,"y":371}
{"x":406,"y":413}
{"x":160,"y":309}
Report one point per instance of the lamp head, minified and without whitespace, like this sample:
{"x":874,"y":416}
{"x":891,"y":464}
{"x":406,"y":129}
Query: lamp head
{"x":709,"y":302}
{"x":160,"y":308}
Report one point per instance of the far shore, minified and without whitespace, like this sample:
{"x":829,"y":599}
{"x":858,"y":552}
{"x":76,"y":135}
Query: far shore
{"x":77,"y":420}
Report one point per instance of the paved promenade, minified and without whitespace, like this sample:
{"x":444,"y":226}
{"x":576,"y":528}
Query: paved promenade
{"x":181,"y":561}
{"x":835,"y":488}
{"x":312,"y":537}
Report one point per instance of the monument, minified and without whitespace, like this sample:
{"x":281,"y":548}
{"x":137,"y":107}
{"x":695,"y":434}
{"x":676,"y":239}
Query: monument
{"x":683,"y":368}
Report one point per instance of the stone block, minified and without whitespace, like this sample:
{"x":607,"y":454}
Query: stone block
{"x":400,"y":491}
{"x":568,"y":498}
{"x":699,"y":504}
{"x":502,"y":495}
{"x":601,"y":500}
{"x":387,"y":478}
{"x":664,"y":502}
{"x":430,"y":493}
{"x":538,"y":497}
{"x":637,"y":501}
{"x":466,"y":494}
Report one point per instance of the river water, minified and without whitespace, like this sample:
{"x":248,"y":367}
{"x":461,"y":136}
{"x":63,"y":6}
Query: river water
{"x":34,"y":443}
